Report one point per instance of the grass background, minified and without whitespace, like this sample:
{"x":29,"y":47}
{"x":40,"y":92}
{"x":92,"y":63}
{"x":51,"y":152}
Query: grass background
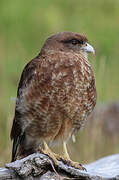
{"x":24,"y":25}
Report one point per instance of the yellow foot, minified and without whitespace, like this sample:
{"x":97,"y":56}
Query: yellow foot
{"x":47,"y":151}
{"x":50,"y":155}
{"x":68,"y":161}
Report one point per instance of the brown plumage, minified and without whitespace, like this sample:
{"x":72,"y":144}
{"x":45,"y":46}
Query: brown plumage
{"x":55,"y":95}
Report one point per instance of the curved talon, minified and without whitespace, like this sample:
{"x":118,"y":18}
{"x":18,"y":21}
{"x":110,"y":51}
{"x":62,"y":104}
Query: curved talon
{"x":77,"y":165}
{"x":83,"y":168}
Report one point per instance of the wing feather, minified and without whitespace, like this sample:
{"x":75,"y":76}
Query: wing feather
{"x":16,"y":132}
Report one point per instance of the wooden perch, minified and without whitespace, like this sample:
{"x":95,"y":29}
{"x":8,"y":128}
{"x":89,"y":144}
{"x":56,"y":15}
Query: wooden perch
{"x":40,"y":167}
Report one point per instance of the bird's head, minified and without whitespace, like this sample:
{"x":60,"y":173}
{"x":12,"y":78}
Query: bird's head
{"x":68,"y":42}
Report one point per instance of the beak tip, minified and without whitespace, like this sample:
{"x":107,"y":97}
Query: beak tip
{"x":94,"y":53}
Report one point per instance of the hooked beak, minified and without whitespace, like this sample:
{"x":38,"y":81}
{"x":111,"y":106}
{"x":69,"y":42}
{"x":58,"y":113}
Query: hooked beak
{"x":88,"y":48}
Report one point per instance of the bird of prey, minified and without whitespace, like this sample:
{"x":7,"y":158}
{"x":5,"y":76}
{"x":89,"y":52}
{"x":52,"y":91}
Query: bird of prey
{"x":56,"y":93}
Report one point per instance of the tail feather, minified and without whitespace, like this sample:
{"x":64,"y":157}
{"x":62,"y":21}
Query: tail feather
{"x":16,"y":143}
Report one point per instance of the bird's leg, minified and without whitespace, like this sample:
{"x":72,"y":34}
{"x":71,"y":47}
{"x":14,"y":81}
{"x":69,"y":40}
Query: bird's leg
{"x":66,"y":158}
{"x":65,"y":152}
{"x":48,"y":152}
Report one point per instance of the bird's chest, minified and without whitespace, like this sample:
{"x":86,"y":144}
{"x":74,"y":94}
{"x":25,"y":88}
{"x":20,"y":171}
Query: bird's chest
{"x":85,"y":95}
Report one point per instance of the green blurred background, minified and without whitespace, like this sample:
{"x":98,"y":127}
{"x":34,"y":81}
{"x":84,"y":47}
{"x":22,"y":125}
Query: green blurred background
{"x":25,"y":24}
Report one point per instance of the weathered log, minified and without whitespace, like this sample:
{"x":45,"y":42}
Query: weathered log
{"x":40,"y":167}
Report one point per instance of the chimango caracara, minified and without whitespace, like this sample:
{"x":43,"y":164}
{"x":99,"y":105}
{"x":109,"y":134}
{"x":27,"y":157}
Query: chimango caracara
{"x":56,"y":93}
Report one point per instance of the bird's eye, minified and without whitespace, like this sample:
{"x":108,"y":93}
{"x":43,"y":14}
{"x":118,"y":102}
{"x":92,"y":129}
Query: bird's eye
{"x":74,"y":41}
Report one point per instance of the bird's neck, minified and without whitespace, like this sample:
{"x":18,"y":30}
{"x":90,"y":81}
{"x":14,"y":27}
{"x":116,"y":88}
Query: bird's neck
{"x":83,"y":58}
